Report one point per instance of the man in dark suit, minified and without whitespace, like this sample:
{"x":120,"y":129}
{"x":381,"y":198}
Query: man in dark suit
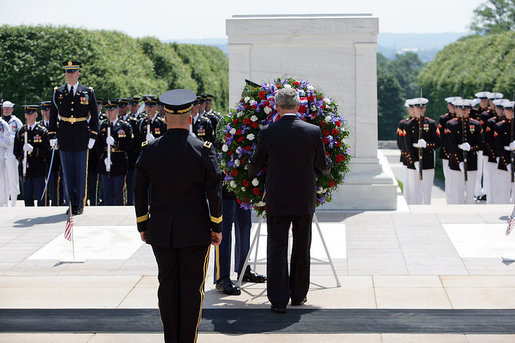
{"x":291,"y":149}
{"x":72,"y":103}
{"x":183,"y":174}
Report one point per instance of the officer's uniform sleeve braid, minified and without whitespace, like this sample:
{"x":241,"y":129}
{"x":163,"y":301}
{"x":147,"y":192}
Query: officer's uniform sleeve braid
{"x":213,"y":186}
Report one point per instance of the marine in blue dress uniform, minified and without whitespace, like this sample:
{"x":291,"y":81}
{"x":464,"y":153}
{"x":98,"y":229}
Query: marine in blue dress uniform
{"x":71,"y":104}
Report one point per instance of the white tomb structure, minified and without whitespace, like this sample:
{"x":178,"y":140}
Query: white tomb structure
{"x":337,"y":55}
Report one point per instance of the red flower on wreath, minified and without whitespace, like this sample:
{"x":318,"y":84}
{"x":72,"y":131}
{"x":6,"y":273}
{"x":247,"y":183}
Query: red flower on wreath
{"x":325,"y":132}
{"x":246,"y":121}
{"x":262,"y":95}
{"x":238,"y":132}
{"x":331,"y":184}
{"x":234,"y":173}
{"x":235,"y":121}
{"x":254,"y":124}
{"x":256,"y":191}
{"x":245,"y":183}
{"x":337,"y":123}
{"x":334,"y":132}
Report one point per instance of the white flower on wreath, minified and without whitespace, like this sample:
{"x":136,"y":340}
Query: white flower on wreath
{"x":329,"y":138}
{"x":287,"y":86}
{"x":239,"y":114}
{"x":254,"y":118}
{"x":238,"y":150}
{"x":327,"y":100}
{"x":253,"y":102}
{"x":237,"y":163}
{"x":327,"y":119}
{"x":261,"y":204}
{"x":233,"y":131}
{"x":247,"y":99}
{"x":267,"y":110}
{"x":243,"y":189}
{"x":246,"y":167}
{"x":250,"y":137}
{"x":313,"y":108}
{"x":233,"y":184}
{"x":225,"y":148}
{"x":310,"y":87}
{"x":321,"y":190}
{"x":255,"y":182}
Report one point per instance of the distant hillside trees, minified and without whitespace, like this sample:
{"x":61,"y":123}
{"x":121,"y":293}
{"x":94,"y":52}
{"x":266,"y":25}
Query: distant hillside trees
{"x":114,"y":64}
{"x":470,"y":65}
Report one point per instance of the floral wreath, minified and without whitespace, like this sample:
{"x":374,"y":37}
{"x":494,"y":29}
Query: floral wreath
{"x":239,"y":129}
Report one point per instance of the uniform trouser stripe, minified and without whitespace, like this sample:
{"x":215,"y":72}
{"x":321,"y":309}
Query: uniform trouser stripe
{"x":201,"y":290}
{"x":86,"y":181}
{"x":217,"y":261}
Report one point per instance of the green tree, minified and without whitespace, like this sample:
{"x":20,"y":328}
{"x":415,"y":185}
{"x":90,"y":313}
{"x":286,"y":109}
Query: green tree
{"x":494,"y":16}
{"x":462,"y":68}
{"x":405,"y":68}
{"x":390,"y":103}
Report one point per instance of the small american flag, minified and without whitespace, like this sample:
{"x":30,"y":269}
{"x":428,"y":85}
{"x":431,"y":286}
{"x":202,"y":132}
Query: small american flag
{"x":69,"y":228}
{"x":511,"y":225}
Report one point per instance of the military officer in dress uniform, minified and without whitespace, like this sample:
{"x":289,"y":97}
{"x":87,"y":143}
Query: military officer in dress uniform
{"x":54,"y":190}
{"x":209,"y":113}
{"x":116,"y":135}
{"x":180,"y":224}
{"x":6,"y":140}
{"x":72,"y":103}
{"x":13,"y":178}
{"x":133,"y":150}
{"x":37,"y":148}
{"x":94,"y":183}
{"x":420,"y":141}
{"x":151,"y":126}
{"x":490,"y":162}
{"x":444,"y":118}
{"x":134,"y":106}
{"x":463,"y":138}
{"x":504,"y":137}
{"x":201,"y":125}
{"x":401,"y":132}
{"x":100,"y":106}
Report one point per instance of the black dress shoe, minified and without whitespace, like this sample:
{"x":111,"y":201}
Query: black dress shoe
{"x":297,"y":302}
{"x":77,"y":211}
{"x":251,"y":276}
{"x":225,"y":285}
{"x":278,"y":309}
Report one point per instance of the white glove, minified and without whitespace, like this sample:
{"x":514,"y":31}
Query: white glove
{"x":422,"y":143}
{"x":417,"y":166}
{"x":507,"y":147}
{"x":150,"y":137}
{"x":465,"y":146}
{"x":497,"y":159}
{"x":110,"y":140}
{"x":27,"y":147}
{"x":415,"y":145}
{"x":53,"y":142}
{"x":509,"y":167}
{"x":512,"y":145}
{"x":107,"y":162}
{"x":91,"y":143}
{"x":462,"y":166}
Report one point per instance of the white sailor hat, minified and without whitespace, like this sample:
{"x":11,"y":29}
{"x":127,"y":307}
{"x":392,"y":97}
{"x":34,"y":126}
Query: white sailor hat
{"x":475,"y":102}
{"x":495,"y":96}
{"x":508,"y":105}
{"x":8,"y":104}
{"x":482,"y":95}
{"x":449,"y":100}
{"x":408,"y":102}
{"x":420,"y":102}
{"x":461,"y":103}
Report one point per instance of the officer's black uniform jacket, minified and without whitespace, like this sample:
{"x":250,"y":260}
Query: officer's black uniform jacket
{"x":203,"y":129}
{"x":184,"y":176}
{"x":133,"y":152}
{"x":489,"y":139}
{"x":503,"y":137}
{"x":56,"y":165}
{"x":157,"y":128}
{"x":213,"y":117}
{"x":454,"y":137}
{"x":37,"y":159}
{"x":123,"y":141}
{"x":428,"y":134}
{"x":401,"y":131}
{"x":444,"y":118}
{"x":73,"y":132}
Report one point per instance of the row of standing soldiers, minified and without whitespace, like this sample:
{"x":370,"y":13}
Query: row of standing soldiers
{"x":125,"y":126}
{"x":476,"y":148}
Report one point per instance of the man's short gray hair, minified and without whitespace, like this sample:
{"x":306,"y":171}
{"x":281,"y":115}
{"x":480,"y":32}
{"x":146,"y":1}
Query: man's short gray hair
{"x":287,"y":98}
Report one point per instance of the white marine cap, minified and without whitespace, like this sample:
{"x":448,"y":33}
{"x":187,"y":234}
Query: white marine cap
{"x":8,"y":104}
{"x":483,"y":95}
{"x":475,"y":102}
{"x":408,"y":102}
{"x":449,"y":100}
{"x":499,"y":102}
{"x":495,"y":96}
{"x":460,"y":103}
{"x":419,"y":101}
{"x":508,"y":105}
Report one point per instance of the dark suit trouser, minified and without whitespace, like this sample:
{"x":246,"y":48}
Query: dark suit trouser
{"x":92,"y":188}
{"x":113,"y":190}
{"x":233,"y":213}
{"x":182,"y":273}
{"x":74,"y":165}
{"x":33,"y":189}
{"x":280,"y":286}
{"x":130,"y":186}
